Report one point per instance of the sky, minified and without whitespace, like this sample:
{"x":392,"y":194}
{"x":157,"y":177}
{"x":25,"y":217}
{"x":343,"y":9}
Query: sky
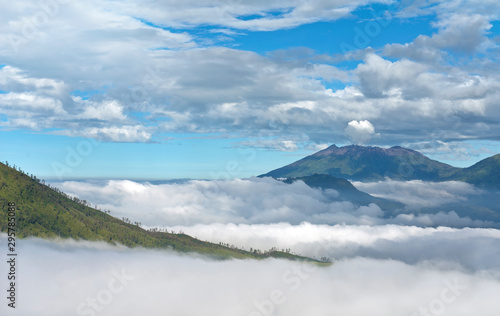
{"x":231,"y":89}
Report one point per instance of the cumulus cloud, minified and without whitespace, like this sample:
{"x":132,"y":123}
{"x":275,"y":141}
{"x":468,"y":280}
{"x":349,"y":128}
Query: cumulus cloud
{"x":29,"y":102}
{"x":15,"y":80}
{"x":130,"y":59}
{"x":41,"y":103}
{"x":359,"y":132}
{"x":379,"y":77}
{"x":465,"y":33}
{"x":413,"y":96}
{"x":68,"y":278}
{"x":108,"y":110}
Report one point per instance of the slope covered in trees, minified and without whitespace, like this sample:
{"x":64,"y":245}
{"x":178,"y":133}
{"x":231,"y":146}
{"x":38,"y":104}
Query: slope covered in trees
{"x":44,"y":211}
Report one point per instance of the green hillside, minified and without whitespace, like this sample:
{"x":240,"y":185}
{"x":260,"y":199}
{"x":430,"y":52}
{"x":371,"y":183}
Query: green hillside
{"x":484,"y":174}
{"x":45,"y":212}
{"x":361,"y":163}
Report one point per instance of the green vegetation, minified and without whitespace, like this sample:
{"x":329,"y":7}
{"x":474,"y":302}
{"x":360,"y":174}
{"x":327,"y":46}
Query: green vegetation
{"x":484,"y":174}
{"x":46,"y":212}
{"x":374,"y":164}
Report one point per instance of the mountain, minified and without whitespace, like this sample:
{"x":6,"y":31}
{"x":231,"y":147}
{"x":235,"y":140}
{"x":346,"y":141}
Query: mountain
{"x":484,"y":174}
{"x":46,"y":212}
{"x":361,"y":163}
{"x":347,"y":191}
{"x":328,"y":168}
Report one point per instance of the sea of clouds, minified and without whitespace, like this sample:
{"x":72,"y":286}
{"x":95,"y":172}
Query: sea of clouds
{"x":380,"y":266}
{"x":387,"y":271}
{"x":266,"y":201}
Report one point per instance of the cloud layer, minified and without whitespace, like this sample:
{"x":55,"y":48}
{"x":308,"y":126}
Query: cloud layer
{"x":469,"y":248}
{"x":418,"y":194}
{"x":265,"y":201}
{"x":83,"y":278}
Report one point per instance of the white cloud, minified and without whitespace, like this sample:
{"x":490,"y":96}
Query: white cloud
{"x":62,"y":278}
{"x":409,"y":96}
{"x":107,"y":51}
{"x":228,"y":201}
{"x":439,"y":219}
{"x":30,"y":101}
{"x":465,"y":33}
{"x":359,"y":132}
{"x":251,"y":91}
{"x":379,"y":77}
{"x":267,"y":16}
{"x":448,"y":150}
{"x":417,"y":194}
{"x":317,"y":147}
{"x":264,"y":201}
{"x":15,"y":80}
{"x":108,"y":110}
{"x":468,"y":247}
{"x":125,"y":133}
{"x":272,"y":144}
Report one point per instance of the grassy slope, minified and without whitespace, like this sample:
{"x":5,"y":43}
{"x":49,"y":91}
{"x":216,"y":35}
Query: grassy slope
{"x":43,"y":212}
{"x":484,"y":174}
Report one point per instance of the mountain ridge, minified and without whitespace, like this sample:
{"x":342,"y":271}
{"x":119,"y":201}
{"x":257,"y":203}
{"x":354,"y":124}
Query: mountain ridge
{"x":368,"y":164}
{"x":46,"y":212}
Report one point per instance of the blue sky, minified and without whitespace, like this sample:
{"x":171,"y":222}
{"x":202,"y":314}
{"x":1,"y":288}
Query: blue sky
{"x":216,"y":89}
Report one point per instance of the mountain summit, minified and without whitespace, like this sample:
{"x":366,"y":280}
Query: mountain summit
{"x":327,"y":168}
{"x":362,"y":163}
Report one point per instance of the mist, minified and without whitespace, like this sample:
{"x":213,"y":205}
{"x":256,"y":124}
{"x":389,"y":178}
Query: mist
{"x":89,"y":278}
{"x":416,"y":194}
{"x":470,"y":248}
{"x":411,"y":264}
{"x":267,"y":201}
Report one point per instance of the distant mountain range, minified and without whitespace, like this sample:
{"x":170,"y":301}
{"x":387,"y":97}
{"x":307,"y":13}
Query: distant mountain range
{"x":367,"y":164}
{"x":329,"y":169}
